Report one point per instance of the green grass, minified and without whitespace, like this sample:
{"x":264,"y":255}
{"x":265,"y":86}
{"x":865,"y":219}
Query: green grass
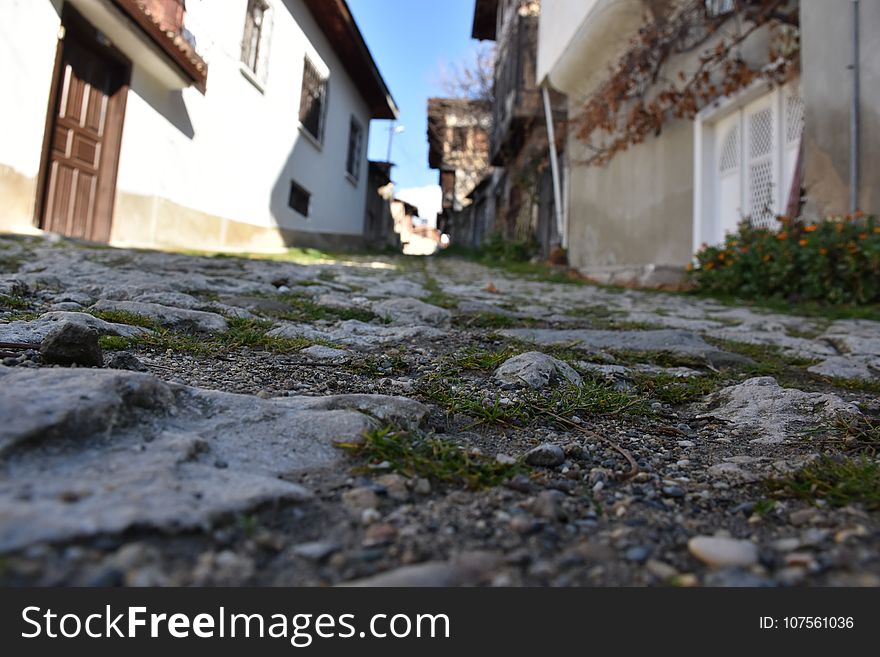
{"x":837,"y":482}
{"x":436,"y":296}
{"x":481,"y":360}
{"x":9,"y":264}
{"x":800,"y":309}
{"x":440,"y":461}
{"x":676,"y":390}
{"x":304,"y":309}
{"x":242,"y":333}
{"x":593,"y":398}
{"x":488,"y":320}
{"x":14,"y":302}
{"x":114,"y":343}
{"x":125,"y":317}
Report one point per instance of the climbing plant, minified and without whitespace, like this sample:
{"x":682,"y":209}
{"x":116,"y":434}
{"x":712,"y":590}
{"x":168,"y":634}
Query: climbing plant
{"x":645,"y":88}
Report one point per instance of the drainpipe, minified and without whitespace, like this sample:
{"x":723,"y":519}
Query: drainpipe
{"x":554,"y":166}
{"x":854,"y":133}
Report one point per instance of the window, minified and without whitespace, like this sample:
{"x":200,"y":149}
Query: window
{"x":313,"y":102}
{"x":716,"y":8}
{"x":459,"y":139}
{"x":299,"y":199}
{"x":256,"y":42}
{"x":355,"y":148}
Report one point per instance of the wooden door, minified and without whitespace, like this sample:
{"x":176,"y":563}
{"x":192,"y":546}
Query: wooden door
{"x":85,"y":131}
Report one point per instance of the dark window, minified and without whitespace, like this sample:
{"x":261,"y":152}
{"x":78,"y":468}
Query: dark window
{"x":459,"y":139}
{"x":355,"y":149}
{"x":252,"y":43}
{"x":313,"y":102}
{"x":299,"y":199}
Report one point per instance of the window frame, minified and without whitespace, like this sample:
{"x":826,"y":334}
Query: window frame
{"x":311,"y":71}
{"x":297,"y":188}
{"x":353,"y":165}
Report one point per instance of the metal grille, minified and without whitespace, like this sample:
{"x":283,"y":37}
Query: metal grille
{"x":313,"y":100}
{"x":794,"y":118}
{"x":761,"y":133}
{"x":761,"y":194}
{"x":729,"y":160}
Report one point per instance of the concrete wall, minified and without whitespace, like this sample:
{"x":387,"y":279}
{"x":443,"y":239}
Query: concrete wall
{"x":826,"y":38}
{"x":200,"y":171}
{"x":638,"y":209}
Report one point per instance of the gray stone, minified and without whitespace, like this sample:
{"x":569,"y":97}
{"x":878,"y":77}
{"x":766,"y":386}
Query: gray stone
{"x":259,"y":305}
{"x":848,"y":367}
{"x":466,"y":570}
{"x":85,"y":452}
{"x":720,"y":552}
{"x":174,"y":299}
{"x":180,"y":319}
{"x":316,"y":550}
{"x":545,"y":455}
{"x":669,"y":340}
{"x":412,"y":312}
{"x":72,"y":344}
{"x":360,"y":499}
{"x":321,"y":354}
{"x":123,"y":360}
{"x":357,"y":334}
{"x":536,"y":370}
{"x":33,"y":332}
{"x":762,"y":406}
{"x":388,"y":410}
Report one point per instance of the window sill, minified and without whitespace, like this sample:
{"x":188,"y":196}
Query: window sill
{"x":310,"y":137}
{"x":249,"y":75}
{"x":350,"y":178}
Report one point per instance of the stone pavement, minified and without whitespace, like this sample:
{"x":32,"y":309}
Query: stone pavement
{"x":177,"y":419}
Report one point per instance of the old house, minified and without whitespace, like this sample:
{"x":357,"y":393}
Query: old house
{"x":797,"y":130}
{"x":240,"y":124}
{"x":458,"y":146}
{"x":522,"y":191}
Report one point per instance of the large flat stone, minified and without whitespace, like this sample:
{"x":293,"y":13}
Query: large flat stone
{"x":670,"y":340}
{"x":36,"y":330}
{"x":774,"y":413}
{"x":357,"y":334}
{"x":412,"y":312}
{"x":85,"y":452}
{"x":536,"y":370}
{"x":171,"y":317}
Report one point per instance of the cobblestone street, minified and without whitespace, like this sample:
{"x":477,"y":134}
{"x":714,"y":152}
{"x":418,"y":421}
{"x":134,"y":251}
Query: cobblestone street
{"x":174,"y":419}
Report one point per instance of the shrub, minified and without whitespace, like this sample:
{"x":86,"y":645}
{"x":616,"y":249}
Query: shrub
{"x":836,"y":261}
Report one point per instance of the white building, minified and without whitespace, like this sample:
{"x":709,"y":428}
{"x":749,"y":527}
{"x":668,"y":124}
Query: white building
{"x":641,"y":216}
{"x":241,"y":126}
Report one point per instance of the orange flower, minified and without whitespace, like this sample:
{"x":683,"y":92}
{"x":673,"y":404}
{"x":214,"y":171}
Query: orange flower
{"x":709,"y":265}
{"x":863,"y":236}
{"x":858,"y":214}
{"x":803,"y":242}
{"x":766,"y":258}
{"x":810,"y":228}
{"x":782,"y":236}
{"x":877,"y":230}
{"x":823,"y":251}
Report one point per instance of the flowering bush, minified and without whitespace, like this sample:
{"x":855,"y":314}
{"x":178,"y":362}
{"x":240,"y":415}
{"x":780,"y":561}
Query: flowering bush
{"x":835,"y":261}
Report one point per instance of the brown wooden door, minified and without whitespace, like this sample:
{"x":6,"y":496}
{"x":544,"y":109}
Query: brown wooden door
{"x":83,"y":142}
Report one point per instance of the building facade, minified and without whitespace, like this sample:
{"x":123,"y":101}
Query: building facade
{"x":768,"y":148}
{"x":235,"y":125}
{"x":521,"y":192}
{"x":458,"y":147}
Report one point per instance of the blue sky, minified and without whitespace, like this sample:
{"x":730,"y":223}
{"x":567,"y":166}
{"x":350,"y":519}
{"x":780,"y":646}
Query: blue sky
{"x":410,"y":40}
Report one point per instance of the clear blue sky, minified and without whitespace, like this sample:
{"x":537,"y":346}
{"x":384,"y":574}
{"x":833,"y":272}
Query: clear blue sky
{"x":410,"y":40}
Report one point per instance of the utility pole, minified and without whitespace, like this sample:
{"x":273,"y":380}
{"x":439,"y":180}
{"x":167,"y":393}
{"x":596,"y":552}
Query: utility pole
{"x":393,"y":129}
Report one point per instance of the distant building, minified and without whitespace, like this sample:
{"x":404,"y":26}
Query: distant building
{"x":521,"y":190}
{"x":458,"y":141}
{"x":240,"y":124}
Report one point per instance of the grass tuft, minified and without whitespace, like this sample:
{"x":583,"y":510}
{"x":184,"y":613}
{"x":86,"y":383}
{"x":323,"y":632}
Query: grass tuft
{"x":837,"y":482}
{"x":440,"y":461}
